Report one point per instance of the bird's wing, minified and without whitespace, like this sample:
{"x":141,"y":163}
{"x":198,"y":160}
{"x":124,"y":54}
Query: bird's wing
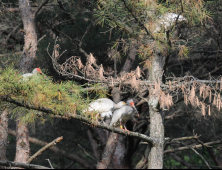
{"x":101,"y":105}
{"x":117,"y":116}
{"x":26,"y":76}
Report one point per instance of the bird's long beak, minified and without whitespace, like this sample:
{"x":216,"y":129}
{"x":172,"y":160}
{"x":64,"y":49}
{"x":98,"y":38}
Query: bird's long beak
{"x":136,"y":111}
{"x":132,"y":104}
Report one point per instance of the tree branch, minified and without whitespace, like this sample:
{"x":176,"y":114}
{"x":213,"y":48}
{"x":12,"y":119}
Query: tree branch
{"x":197,"y":154}
{"x":40,"y":7}
{"x":82,"y":119}
{"x":44,"y":148}
{"x":193,"y":146}
{"x":61,"y":152}
{"x":22,"y":165}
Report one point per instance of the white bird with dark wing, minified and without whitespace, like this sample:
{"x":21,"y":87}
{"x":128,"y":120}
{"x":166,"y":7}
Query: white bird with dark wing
{"x":104,"y":107}
{"x":122,"y":115}
{"x":34,"y":72}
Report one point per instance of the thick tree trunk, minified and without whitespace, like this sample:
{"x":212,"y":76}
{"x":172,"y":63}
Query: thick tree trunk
{"x":3,"y":136}
{"x":26,"y":63}
{"x":156,"y":121}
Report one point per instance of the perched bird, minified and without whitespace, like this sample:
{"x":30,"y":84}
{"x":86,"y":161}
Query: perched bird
{"x":122,"y":115}
{"x":167,"y":20}
{"x":104,"y":107}
{"x":27,"y":75}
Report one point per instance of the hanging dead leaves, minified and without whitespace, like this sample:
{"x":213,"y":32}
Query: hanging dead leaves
{"x":196,"y":93}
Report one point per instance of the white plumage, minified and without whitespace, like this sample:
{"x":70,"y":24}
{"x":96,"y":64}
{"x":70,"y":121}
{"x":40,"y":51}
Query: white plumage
{"x":122,"y":115}
{"x":27,"y":75}
{"x":104,"y":107}
{"x":167,"y":21}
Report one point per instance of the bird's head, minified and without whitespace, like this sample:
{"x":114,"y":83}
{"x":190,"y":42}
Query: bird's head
{"x":37,"y":70}
{"x":131,"y":103}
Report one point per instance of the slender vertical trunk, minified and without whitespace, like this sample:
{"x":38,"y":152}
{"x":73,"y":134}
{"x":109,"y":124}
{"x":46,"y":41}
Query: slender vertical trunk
{"x":112,"y":140}
{"x":3,"y":136}
{"x":30,"y":46}
{"x":120,"y":157}
{"x":22,"y":143}
{"x":130,"y":58}
{"x":156,"y":124}
{"x":26,"y":63}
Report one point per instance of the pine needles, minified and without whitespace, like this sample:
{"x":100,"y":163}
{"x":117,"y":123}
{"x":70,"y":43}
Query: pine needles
{"x":41,"y":91}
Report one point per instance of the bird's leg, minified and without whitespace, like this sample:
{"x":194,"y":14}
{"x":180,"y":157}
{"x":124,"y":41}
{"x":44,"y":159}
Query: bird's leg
{"x":121,"y":126}
{"x":125,"y":129}
{"x":97,"y":117}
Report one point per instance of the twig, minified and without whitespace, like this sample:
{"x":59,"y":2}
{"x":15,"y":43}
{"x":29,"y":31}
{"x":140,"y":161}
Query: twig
{"x":68,"y":166}
{"x":44,"y":148}
{"x":41,"y":38}
{"x":58,"y":151}
{"x":193,"y":146}
{"x":40,"y":7}
{"x":86,"y":152}
{"x":50,"y":163}
{"x":185,"y":138}
{"x":11,"y":33}
{"x":22,"y":165}
{"x":197,"y":154}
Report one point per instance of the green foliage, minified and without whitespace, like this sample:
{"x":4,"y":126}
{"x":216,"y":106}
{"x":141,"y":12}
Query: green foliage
{"x":41,"y":91}
{"x":142,"y":21}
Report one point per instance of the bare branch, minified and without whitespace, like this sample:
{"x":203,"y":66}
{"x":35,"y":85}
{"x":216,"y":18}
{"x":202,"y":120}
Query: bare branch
{"x":61,"y":152}
{"x":45,"y":148}
{"x":193,"y":146}
{"x":22,"y":165}
{"x":11,"y":33}
{"x":40,"y":7}
{"x":197,"y":154}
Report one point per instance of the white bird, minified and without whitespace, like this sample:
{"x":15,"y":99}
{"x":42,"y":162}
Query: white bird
{"x":104,"y":107}
{"x":122,"y":115}
{"x":27,"y":75}
{"x":167,"y":21}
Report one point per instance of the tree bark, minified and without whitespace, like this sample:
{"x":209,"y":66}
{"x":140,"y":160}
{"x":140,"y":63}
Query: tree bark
{"x":120,"y":158}
{"x":156,"y":122}
{"x":3,"y":136}
{"x":112,"y":140}
{"x":26,"y":63}
{"x":30,"y":46}
{"x":130,"y":58}
{"x":22,"y":143}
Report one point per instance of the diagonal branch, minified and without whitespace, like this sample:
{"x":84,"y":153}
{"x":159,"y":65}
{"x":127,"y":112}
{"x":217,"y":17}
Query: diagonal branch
{"x":197,"y":154}
{"x":40,"y":7}
{"x":45,"y":148}
{"x":82,"y":119}
{"x":22,"y":165}
{"x":193,"y":146}
{"x":61,"y":152}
